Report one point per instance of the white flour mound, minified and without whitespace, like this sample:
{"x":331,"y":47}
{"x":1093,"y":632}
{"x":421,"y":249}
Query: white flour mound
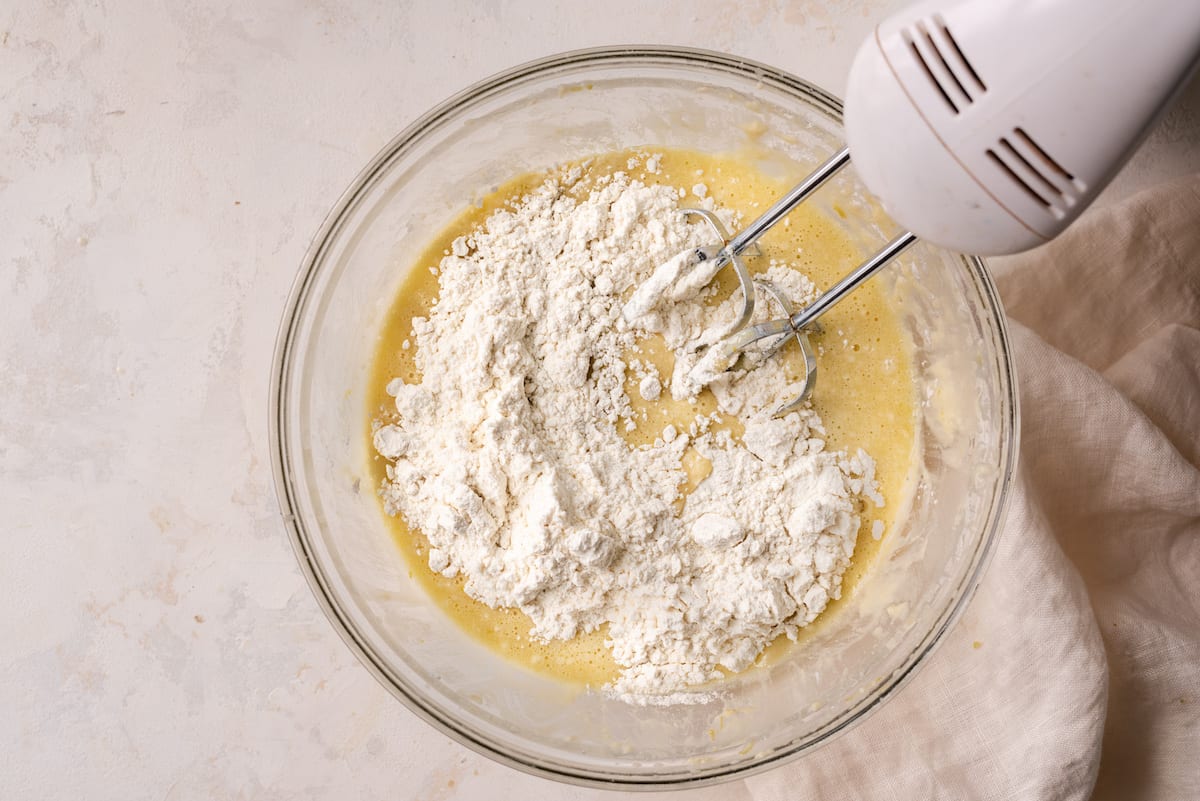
{"x":508,"y":457}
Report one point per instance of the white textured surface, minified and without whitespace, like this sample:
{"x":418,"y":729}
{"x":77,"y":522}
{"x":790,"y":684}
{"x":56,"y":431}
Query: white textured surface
{"x":161,"y":170}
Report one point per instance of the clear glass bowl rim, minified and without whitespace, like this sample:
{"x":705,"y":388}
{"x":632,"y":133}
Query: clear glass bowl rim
{"x":285,"y":354}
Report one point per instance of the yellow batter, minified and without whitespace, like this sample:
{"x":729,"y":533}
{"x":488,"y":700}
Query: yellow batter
{"x":865,"y":394}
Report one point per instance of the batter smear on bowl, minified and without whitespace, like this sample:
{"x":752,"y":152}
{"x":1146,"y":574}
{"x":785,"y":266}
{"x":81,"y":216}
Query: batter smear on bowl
{"x":548,"y":455}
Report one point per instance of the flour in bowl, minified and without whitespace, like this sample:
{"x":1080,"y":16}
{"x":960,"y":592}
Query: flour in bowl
{"x":511,"y":454}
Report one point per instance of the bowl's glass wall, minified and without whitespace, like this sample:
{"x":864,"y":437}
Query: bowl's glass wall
{"x":531,"y":120}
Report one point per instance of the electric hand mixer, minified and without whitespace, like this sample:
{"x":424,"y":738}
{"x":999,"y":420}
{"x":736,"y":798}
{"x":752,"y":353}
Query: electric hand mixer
{"x":983,"y":126}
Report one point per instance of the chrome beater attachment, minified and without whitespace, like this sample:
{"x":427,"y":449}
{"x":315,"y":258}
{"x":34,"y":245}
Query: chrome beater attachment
{"x":725,"y":354}
{"x":696,"y":268}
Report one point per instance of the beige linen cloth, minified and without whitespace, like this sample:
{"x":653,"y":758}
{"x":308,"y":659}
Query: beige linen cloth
{"x":1075,"y":672}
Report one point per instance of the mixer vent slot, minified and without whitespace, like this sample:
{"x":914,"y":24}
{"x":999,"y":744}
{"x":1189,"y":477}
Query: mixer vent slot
{"x":944,"y":63}
{"x":1031,"y":168}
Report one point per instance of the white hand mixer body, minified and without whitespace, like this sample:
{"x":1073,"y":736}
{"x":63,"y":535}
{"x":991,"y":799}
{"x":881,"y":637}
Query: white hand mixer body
{"x":983,"y":126}
{"x":987,"y":126}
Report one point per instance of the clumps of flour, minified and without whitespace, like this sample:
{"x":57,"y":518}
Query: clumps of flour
{"x":508,"y":455}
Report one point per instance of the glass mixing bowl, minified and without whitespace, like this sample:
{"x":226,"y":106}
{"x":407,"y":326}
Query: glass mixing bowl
{"x":531,"y":118}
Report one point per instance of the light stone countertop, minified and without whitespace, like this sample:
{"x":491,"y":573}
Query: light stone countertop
{"x":162,"y":168}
